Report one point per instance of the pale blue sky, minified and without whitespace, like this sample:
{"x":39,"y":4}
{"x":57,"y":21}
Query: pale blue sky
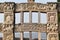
{"x":20,"y":1}
{"x":24,"y":1}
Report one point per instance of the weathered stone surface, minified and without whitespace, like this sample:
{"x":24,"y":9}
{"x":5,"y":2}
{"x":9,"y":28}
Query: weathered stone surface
{"x":31,"y":27}
{"x":52,"y":36}
{"x":10,"y":8}
{"x":1,"y":7}
{"x":8,"y":21}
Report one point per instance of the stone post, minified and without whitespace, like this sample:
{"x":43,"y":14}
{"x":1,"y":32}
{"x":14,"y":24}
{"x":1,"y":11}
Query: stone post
{"x":39,"y":17}
{"x":30,"y":17}
{"x":21,"y":35}
{"x":39,"y":35}
{"x":22,"y":17}
{"x":8,"y":21}
{"x":30,"y":35}
{"x":52,"y":26}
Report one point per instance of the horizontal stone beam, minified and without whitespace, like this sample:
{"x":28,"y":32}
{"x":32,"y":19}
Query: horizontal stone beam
{"x":31,"y":7}
{"x":31,"y":27}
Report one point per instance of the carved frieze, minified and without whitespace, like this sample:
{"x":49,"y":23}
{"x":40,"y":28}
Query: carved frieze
{"x":32,"y":7}
{"x":27,"y":7}
{"x":30,"y":27}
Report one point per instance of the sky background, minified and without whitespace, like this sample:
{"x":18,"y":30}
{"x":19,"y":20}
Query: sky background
{"x":20,"y":1}
{"x":18,"y":16}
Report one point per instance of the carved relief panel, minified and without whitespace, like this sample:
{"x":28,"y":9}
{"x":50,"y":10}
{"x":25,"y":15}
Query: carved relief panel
{"x":52,"y":25}
{"x":31,"y":7}
{"x":1,"y":7}
{"x":52,"y":6}
{"x":53,"y":36}
{"x":7,"y":28}
{"x":9,"y":18}
{"x":8,"y":7}
{"x":8,"y":32}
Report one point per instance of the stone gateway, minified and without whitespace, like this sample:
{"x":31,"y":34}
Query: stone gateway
{"x":8,"y":28}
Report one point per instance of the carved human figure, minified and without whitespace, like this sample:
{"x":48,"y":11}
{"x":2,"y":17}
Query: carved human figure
{"x":8,"y":19}
{"x":52,"y":19}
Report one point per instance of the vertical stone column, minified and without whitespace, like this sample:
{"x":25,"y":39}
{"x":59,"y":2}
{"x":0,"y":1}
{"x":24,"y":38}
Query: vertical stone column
{"x":22,"y":17}
{"x":39,"y":35}
{"x":30,"y":35}
{"x":30,"y":17}
{"x":21,"y":35}
{"x":39,"y":17}
{"x":52,"y":26}
{"x":8,"y":21}
{"x":30,"y":21}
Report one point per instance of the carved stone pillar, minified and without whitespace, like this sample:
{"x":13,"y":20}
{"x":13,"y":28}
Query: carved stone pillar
{"x":30,"y":35}
{"x":30,"y":17}
{"x":39,"y":35}
{"x":39,"y":17}
{"x":8,"y":21}
{"x":21,"y":35}
{"x":52,"y":26}
{"x":22,"y":17}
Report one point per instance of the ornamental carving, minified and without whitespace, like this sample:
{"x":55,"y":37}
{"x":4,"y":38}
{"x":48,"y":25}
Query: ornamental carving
{"x":52,"y":7}
{"x":1,"y":7}
{"x":52,"y":26}
{"x":52,"y":19}
{"x":52,"y":36}
{"x":30,"y":27}
{"x":9,"y":19}
{"x":8,"y":6}
{"x":32,"y":7}
{"x":7,"y":28}
{"x":8,"y":36}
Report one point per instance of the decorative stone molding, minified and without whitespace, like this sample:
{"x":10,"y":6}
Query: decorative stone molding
{"x":30,"y":27}
{"x":8,"y":7}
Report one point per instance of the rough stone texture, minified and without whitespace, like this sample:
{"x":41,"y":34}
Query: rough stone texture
{"x":8,"y":21}
{"x":10,"y":8}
